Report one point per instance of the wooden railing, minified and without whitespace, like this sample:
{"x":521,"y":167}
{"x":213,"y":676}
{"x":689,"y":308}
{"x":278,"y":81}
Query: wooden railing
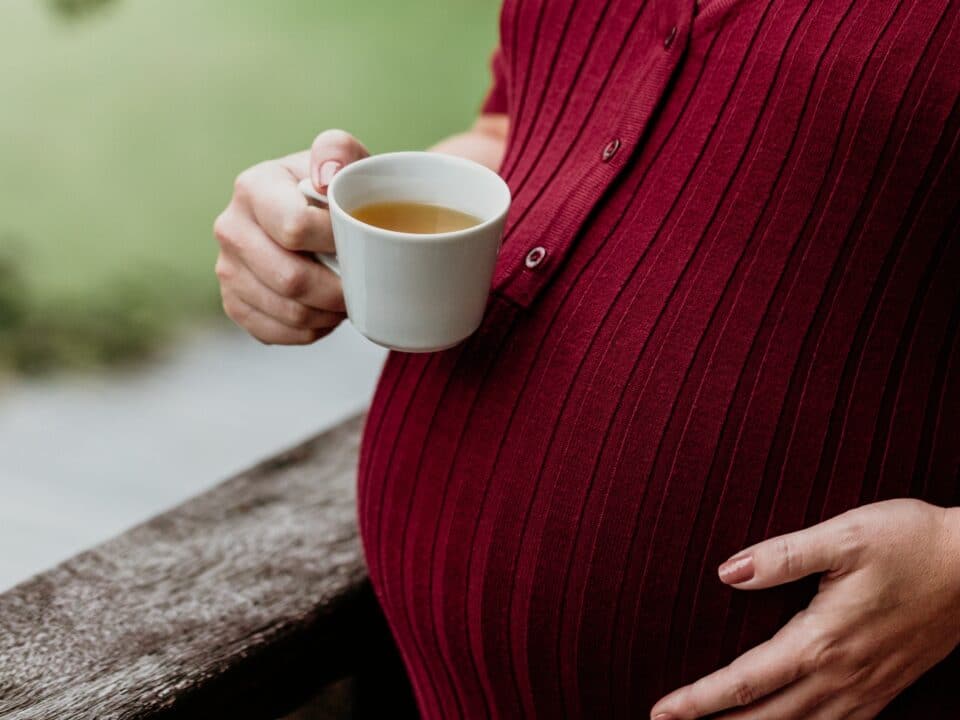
{"x":244,"y":602}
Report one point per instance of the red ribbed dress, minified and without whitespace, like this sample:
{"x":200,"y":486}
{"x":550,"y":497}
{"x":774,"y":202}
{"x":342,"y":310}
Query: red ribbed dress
{"x":727,"y":307}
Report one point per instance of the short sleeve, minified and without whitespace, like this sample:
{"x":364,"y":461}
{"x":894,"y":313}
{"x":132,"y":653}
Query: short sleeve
{"x":496,"y":101}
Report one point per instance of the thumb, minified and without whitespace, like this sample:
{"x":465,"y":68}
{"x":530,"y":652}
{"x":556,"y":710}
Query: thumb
{"x":821,"y":548}
{"x":331,"y":150}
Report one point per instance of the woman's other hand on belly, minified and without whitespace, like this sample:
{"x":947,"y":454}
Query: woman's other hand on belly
{"x":887,"y":610}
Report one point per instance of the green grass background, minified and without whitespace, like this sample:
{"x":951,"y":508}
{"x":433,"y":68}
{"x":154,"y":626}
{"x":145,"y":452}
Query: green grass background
{"x":121,"y":132}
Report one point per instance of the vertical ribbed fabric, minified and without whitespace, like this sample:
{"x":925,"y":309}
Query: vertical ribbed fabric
{"x":746,"y":322}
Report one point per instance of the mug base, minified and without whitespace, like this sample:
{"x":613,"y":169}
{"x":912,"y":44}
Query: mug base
{"x":415,"y":350}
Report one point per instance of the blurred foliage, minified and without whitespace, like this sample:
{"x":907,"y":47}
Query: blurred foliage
{"x":119,"y":327}
{"x":76,"y":8}
{"x":121,"y":324}
{"x":120,"y":140}
{"x":12,"y":290}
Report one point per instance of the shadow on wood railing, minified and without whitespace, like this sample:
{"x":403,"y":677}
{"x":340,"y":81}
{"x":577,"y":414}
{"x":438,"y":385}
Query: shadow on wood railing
{"x":243,"y":602}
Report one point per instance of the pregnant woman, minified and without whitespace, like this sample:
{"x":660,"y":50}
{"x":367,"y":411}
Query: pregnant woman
{"x":723,"y":336}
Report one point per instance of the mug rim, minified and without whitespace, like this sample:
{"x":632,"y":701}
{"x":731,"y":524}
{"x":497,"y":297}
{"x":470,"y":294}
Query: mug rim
{"x":434,"y":157}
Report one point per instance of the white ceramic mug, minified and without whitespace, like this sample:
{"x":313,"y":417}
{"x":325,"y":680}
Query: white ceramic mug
{"x":415,"y":292}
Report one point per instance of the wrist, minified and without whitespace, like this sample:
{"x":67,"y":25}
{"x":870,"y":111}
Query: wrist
{"x":951,"y":527}
{"x":951,"y":523}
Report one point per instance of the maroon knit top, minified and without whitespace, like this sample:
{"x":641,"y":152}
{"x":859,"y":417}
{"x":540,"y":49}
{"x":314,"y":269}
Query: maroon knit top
{"x":726,"y":307}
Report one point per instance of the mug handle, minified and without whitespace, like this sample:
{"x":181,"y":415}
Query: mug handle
{"x":309,"y":192}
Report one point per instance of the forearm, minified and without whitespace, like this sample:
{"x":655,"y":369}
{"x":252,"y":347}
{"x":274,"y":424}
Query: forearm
{"x":951,"y":554}
{"x":484,"y":143}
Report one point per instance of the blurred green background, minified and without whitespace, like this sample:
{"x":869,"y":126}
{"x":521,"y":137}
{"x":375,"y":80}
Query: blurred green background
{"x":123,"y":127}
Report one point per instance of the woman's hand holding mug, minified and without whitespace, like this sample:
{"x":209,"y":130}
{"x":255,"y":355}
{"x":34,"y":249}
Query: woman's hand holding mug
{"x":405,"y":288}
{"x":270,"y":283}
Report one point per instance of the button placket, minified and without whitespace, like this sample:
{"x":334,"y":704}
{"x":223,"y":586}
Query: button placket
{"x":561,"y":221}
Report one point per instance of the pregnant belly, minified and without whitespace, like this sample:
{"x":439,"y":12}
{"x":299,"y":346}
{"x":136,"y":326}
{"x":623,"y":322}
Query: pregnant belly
{"x":543,"y":512}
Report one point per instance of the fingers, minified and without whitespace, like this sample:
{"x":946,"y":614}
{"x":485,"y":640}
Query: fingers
{"x":266,"y":329}
{"x":829,"y":546}
{"x":270,"y":282}
{"x":288,"y":274}
{"x":751,"y":677}
{"x":289,"y":312}
{"x":810,"y":698}
{"x":800,"y":701}
{"x":331,"y":150}
{"x":270,"y":194}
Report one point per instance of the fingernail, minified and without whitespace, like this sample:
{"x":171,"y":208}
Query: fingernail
{"x":327,"y":171}
{"x":737,"y":569}
{"x":663,"y":716}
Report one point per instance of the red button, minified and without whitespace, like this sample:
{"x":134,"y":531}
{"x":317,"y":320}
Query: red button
{"x":535,"y":257}
{"x":671,"y":36}
{"x":611,"y":149}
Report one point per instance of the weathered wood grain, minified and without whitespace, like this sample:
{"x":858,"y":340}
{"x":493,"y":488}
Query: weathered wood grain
{"x":237,"y":604}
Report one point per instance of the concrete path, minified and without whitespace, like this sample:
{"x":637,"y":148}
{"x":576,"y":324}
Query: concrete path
{"x":82,"y":458}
